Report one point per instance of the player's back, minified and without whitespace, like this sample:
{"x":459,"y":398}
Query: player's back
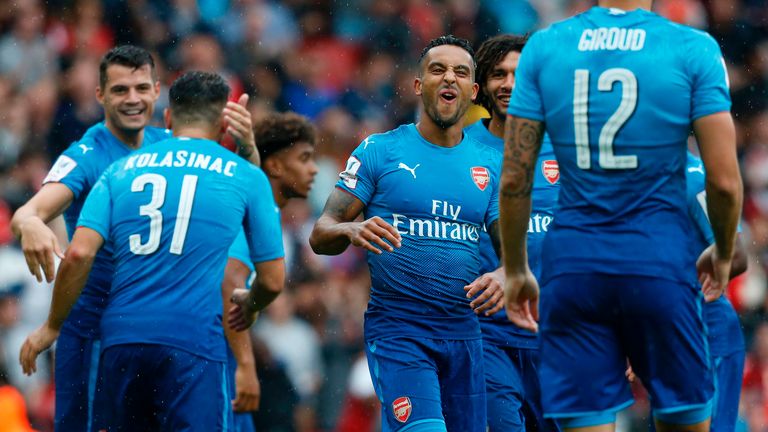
{"x":618,"y":91}
{"x":175,"y":209}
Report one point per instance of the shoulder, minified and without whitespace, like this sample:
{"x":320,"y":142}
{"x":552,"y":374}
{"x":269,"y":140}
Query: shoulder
{"x":154,"y":134}
{"x":485,"y":152}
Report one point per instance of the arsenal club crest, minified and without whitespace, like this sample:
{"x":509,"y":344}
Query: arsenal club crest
{"x":481,"y":177}
{"x":401,"y":407}
{"x":550,"y":170}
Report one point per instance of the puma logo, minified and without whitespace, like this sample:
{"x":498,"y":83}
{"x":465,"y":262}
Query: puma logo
{"x":696,"y":169}
{"x":85,"y":148}
{"x":409,"y":169}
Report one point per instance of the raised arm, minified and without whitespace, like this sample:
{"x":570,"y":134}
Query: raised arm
{"x":522,"y":142}
{"x":717,"y":145}
{"x":336,"y":228}
{"x":38,"y":241}
{"x":240,"y":126}
{"x":70,"y":280}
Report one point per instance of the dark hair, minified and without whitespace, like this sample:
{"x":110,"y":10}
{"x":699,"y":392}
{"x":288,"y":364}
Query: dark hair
{"x":490,"y":53}
{"x":198,"y":97}
{"x":447,"y":40}
{"x":279,"y":131}
{"x":125,"y":55}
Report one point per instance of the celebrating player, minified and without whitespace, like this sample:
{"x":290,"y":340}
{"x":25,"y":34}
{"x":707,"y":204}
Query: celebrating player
{"x":618,"y":100}
{"x":170,"y":211}
{"x":128,"y":89}
{"x":286,"y":147}
{"x":510,"y":353}
{"x":426,"y":192}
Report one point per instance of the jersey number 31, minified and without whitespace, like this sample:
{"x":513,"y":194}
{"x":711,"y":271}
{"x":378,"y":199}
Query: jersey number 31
{"x":152,"y":210}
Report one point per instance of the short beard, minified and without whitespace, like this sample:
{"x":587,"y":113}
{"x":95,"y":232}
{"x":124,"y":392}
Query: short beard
{"x":445,"y":123}
{"x":497,"y":111}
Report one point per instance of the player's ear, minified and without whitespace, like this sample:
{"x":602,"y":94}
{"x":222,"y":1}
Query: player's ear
{"x":167,"y":118}
{"x":475,"y":89}
{"x":417,"y":86}
{"x":157,"y":90}
{"x":100,"y":94}
{"x":272,"y":167}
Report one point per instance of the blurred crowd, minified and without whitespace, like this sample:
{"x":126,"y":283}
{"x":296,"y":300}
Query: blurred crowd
{"x":349,"y":66}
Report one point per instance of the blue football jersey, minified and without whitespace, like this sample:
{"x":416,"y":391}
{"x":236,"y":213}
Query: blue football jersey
{"x":79,"y":168}
{"x":497,"y":328}
{"x":239,"y":250}
{"x":438,"y":199}
{"x":723,"y":326}
{"x":171,"y":212}
{"x":617,"y":92}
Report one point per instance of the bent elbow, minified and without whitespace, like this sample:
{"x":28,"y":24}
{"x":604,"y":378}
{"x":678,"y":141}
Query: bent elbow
{"x":80,"y":254}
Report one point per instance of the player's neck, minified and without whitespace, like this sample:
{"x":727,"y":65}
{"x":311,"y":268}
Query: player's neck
{"x":132,"y":139}
{"x":194,"y":131}
{"x":627,"y":5}
{"x":496,"y":126}
{"x":443,"y":137}
{"x":277,"y":192}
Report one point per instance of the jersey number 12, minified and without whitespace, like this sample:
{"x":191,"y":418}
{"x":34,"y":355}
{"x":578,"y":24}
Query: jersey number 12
{"x":152,"y":210}
{"x":607,"y":159}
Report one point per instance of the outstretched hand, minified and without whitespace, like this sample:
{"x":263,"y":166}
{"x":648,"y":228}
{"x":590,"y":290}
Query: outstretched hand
{"x":521,"y":293}
{"x":714,"y":273}
{"x":39,"y":245}
{"x":490,"y":288}
{"x":37,"y":342}
{"x":372,"y":233}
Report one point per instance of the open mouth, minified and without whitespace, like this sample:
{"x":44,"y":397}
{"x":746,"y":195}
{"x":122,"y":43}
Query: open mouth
{"x":448,"y":95}
{"x":504,"y":98}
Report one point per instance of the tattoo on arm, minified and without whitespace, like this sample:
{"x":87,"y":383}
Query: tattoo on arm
{"x":342,"y":206}
{"x":521,"y":148}
{"x":493,"y":232}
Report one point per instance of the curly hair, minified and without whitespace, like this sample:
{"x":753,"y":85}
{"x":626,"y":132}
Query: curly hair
{"x":490,"y":53}
{"x":279,"y":131}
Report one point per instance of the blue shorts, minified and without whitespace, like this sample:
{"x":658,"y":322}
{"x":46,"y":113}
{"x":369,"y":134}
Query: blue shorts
{"x":591,"y":324}
{"x":77,"y":384}
{"x":428,"y":384}
{"x":243,"y":422}
{"x":728,"y":375}
{"x":513,"y":391}
{"x":161,"y":388}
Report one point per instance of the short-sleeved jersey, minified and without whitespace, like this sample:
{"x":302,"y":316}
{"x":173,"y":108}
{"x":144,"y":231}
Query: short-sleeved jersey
{"x":723,"y":326}
{"x":617,"y":92}
{"x":438,"y":199}
{"x":170,"y":213}
{"x":497,"y":329}
{"x":239,"y":250}
{"x":79,"y":168}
